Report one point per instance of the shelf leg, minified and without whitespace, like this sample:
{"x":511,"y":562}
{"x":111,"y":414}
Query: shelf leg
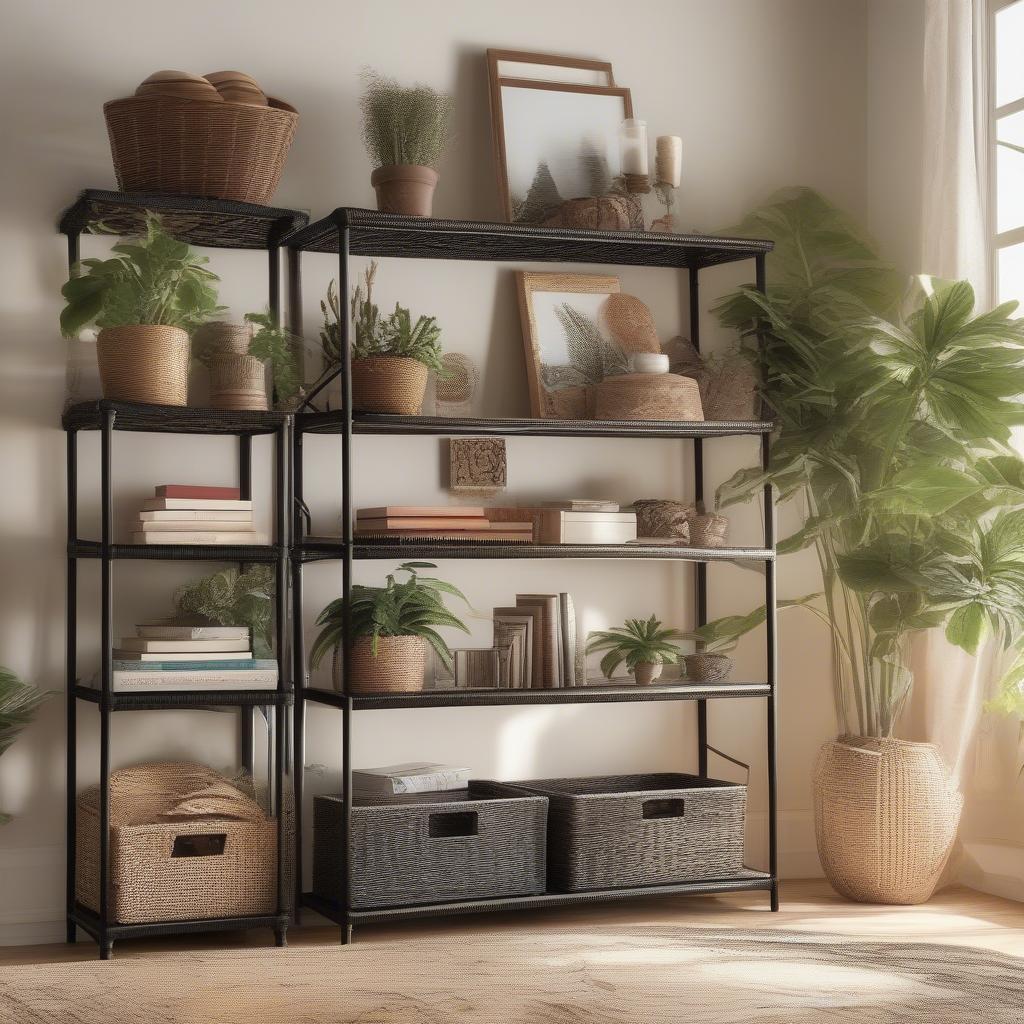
{"x":106,"y":664}
{"x":281,"y":937}
{"x":347,"y":935}
{"x":106,"y":949}
{"x":71,"y":672}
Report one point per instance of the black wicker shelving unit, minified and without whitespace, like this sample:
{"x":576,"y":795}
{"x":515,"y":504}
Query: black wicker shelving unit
{"x":348,"y":232}
{"x":217,"y":224}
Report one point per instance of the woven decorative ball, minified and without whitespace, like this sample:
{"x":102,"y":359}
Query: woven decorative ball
{"x":708,"y":531}
{"x":707,"y":668}
{"x":660,"y":517}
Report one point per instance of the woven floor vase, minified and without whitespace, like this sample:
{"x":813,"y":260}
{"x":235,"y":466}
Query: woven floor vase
{"x":144,"y":363}
{"x":389,"y":384}
{"x":886,"y":814}
{"x":399,"y":665}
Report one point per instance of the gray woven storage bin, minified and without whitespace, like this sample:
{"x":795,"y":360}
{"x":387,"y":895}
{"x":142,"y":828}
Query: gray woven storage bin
{"x":478,"y":843}
{"x":617,"y":831}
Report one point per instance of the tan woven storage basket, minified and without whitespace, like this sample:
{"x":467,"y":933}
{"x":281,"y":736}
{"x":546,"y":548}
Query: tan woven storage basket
{"x":156,"y":873}
{"x":198,"y":148}
{"x":144,"y":363}
{"x":886,"y":814}
{"x":707,"y":531}
{"x":389,"y":384}
{"x":647,"y":396}
{"x":398,"y":667}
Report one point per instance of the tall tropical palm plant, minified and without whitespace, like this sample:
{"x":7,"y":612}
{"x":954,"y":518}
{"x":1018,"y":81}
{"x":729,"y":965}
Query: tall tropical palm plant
{"x":894,"y":413}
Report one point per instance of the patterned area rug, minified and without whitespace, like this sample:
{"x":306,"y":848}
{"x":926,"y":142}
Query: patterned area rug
{"x":603,"y":975}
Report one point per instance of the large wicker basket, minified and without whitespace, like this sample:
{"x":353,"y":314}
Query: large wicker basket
{"x":483,"y":842}
{"x":195,"y":147}
{"x":388,"y":384}
{"x":627,"y":830}
{"x":199,"y":865}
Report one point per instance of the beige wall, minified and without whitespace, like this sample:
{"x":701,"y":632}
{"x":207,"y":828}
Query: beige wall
{"x":765,"y":93}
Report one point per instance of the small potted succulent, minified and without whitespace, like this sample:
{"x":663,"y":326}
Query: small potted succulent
{"x":645,"y":645}
{"x":391,"y":628}
{"x":405,"y":131}
{"x":145,"y":300}
{"x":391,"y":355}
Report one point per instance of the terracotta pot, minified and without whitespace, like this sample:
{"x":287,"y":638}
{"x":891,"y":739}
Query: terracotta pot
{"x":405,"y":188}
{"x":144,"y":363}
{"x":399,"y":666}
{"x":390,"y":384}
{"x":707,"y":668}
{"x":237,"y":379}
{"x":886,"y":813}
{"x":646,"y":672}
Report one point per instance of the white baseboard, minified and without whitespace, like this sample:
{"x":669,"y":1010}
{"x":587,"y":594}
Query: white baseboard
{"x":995,"y":868}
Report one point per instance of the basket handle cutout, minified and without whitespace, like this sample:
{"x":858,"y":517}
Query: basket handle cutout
{"x":204,"y":844}
{"x":454,"y":823}
{"x":664,"y":808}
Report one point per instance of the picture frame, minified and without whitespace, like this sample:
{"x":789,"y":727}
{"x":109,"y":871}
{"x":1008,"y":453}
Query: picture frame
{"x":566,"y":351}
{"x":550,"y":143}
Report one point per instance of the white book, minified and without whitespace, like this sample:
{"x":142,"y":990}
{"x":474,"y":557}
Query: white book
{"x":195,"y":504}
{"x":191,"y":526}
{"x":141,"y":643}
{"x":164,"y":682}
{"x":414,"y":777}
{"x":174,"y":631}
{"x":247,"y":537}
{"x":121,"y":654}
{"x":224,"y":515}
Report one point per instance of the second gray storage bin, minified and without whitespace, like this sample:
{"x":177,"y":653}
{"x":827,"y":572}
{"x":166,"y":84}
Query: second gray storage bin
{"x":619,"y":831}
{"x":484,"y":842}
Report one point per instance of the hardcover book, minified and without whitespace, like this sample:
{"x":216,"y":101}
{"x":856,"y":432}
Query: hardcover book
{"x":415,"y":777}
{"x":201,"y":537}
{"x":550,"y":648}
{"x":176,"y":630}
{"x":205,"y":504}
{"x":141,"y":643}
{"x":197,"y":491}
{"x":123,"y":654}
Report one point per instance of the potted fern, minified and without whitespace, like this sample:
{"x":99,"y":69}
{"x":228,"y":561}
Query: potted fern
{"x":405,"y":131}
{"x":145,"y":300}
{"x":391,"y":355}
{"x":645,"y":645}
{"x":391,"y":628}
{"x":18,"y":704}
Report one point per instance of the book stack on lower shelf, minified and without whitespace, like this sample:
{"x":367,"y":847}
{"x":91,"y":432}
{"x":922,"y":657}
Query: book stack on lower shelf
{"x":191,"y":514}
{"x":165,"y":657}
{"x":424,"y":522}
{"x":405,"y":779}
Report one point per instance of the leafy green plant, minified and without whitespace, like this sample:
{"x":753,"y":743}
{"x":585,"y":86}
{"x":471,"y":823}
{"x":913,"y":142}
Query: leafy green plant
{"x":153,"y":279}
{"x":404,"y":125}
{"x":638,"y":642}
{"x":893,"y":414}
{"x":376,"y":335}
{"x":272,"y":344}
{"x":409,"y":608}
{"x":18,"y":705}
{"x":721,"y":636}
{"x":234,"y":597}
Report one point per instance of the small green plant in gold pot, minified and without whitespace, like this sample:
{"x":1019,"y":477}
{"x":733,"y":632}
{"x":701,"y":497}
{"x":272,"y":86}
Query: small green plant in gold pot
{"x":644,"y":645}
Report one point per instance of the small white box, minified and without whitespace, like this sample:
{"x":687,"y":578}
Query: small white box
{"x":557,"y":526}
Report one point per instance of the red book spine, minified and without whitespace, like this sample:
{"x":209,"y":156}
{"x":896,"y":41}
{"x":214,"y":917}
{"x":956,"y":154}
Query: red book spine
{"x":195,"y":491}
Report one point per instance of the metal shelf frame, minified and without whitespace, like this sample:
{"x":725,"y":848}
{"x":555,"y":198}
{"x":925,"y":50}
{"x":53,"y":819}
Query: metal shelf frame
{"x":348,"y":232}
{"x":225,"y":225}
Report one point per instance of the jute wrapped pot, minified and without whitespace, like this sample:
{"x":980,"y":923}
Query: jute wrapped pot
{"x":398,"y":667}
{"x":144,"y":363}
{"x":707,"y":668}
{"x":389,"y":384}
{"x":886,"y":813}
{"x":238,"y":380}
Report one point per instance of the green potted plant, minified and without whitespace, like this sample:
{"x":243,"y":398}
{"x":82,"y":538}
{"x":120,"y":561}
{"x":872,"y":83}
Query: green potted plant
{"x":645,"y":645}
{"x":405,"y":131}
{"x":391,"y":629}
{"x":238,"y":355}
{"x":18,"y":704}
{"x":234,"y":597}
{"x":391,"y":355}
{"x":145,"y":300}
{"x":893,"y":422}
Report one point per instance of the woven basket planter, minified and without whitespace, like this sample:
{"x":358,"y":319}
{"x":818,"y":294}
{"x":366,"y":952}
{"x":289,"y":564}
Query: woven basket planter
{"x":237,"y":379}
{"x":886,"y":813}
{"x":399,"y":666}
{"x":627,"y":830}
{"x":182,"y":870}
{"x":144,"y":363}
{"x":198,"y":148}
{"x":484,"y":842}
{"x":389,"y":384}
{"x":707,"y":668}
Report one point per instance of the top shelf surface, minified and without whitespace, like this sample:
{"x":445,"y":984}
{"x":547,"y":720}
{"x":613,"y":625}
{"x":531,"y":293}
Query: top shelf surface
{"x":170,"y":419}
{"x":383,"y":234}
{"x":216,"y":223}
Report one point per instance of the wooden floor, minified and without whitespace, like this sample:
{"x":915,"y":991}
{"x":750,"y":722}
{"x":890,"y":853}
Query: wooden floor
{"x":954,"y":916}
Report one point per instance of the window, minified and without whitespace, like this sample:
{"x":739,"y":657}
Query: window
{"x":1008,"y":142}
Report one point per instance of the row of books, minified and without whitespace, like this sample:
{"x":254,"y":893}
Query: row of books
{"x":427,"y":522}
{"x":193,"y":514}
{"x":540,"y":633}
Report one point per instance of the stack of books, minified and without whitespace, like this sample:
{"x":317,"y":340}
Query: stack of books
{"x":190,"y":514}
{"x":424,"y":522}
{"x":541,"y":632}
{"x":180,"y":654}
{"x":403,"y":779}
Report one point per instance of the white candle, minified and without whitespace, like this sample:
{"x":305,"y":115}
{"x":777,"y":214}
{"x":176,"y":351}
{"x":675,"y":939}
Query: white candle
{"x":633,"y":146}
{"x":668,"y":163}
